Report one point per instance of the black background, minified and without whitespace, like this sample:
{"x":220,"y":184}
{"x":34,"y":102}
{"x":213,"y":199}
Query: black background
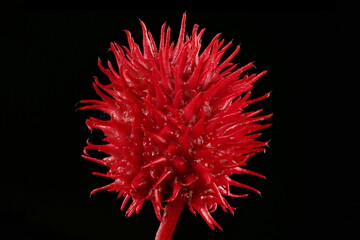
{"x":311,"y":190}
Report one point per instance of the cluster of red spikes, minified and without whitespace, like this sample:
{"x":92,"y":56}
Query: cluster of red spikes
{"x":177,"y":129}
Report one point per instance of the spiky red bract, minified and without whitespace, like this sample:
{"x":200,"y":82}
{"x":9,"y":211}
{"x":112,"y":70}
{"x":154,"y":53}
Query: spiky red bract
{"x":178,"y":128}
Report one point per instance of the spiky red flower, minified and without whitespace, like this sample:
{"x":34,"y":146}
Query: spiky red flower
{"x":178,"y":128}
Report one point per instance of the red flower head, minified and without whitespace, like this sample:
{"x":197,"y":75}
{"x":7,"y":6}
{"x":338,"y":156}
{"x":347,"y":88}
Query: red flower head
{"x":178,"y":128}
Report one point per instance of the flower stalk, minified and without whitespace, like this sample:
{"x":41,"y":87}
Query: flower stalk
{"x":170,"y":218}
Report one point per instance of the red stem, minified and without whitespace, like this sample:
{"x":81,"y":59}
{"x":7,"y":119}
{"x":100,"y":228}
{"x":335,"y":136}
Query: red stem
{"x":170,"y":218}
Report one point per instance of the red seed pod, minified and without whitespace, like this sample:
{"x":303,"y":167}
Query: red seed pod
{"x":178,"y":128}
